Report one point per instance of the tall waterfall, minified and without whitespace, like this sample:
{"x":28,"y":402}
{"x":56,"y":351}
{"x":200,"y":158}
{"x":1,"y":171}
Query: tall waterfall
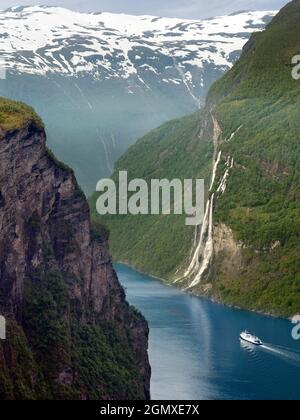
{"x":223,"y":183}
{"x":195,"y":260}
{"x":204,"y":248}
{"x":208,"y":248}
{"x":215,"y":170}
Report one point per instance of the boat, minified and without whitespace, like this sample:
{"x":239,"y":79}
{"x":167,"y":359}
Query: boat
{"x":249,"y":338}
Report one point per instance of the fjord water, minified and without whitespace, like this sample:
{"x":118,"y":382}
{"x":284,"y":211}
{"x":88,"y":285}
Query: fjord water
{"x":195,"y":350}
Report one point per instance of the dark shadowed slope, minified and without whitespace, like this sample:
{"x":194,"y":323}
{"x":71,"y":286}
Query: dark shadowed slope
{"x":70,"y":332}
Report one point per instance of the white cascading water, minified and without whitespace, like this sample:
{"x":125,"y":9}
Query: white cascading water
{"x":203,"y":253}
{"x":195,"y":237}
{"x":233,"y":134}
{"x":223,"y":184}
{"x":208,"y":249}
{"x":215,"y":171}
{"x":207,"y":224}
{"x":195,"y":260}
{"x":204,"y":250}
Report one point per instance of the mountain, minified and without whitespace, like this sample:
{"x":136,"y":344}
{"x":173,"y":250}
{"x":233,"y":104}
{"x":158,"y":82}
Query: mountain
{"x":70,"y":332}
{"x":102,"y":80}
{"x":245,"y":143}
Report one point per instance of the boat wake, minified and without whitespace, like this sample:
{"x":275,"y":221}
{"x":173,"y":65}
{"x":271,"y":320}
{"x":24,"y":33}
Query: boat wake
{"x":282,"y":352}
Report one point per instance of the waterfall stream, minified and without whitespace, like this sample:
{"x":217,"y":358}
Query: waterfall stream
{"x":204,"y":248}
{"x":215,"y":170}
{"x":194,"y":265}
{"x":208,"y":248}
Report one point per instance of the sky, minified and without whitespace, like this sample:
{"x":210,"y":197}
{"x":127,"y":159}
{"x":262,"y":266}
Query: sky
{"x":193,"y":9}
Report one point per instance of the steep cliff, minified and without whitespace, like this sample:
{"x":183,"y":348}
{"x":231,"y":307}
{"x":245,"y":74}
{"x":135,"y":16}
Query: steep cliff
{"x":257,"y":107}
{"x":245,"y":143}
{"x":70,"y":333}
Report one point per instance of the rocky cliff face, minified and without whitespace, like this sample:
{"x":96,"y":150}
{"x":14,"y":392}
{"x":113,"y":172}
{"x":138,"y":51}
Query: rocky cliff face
{"x":71,"y":333}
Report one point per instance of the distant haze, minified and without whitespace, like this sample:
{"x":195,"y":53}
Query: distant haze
{"x":194,"y":9}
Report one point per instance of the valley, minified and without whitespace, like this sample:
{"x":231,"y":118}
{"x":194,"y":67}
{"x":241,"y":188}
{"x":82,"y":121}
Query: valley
{"x":245,"y":144}
{"x":100,"y":80}
{"x":111,"y":290}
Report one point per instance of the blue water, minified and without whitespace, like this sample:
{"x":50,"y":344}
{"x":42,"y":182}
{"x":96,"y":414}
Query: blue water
{"x":195,"y":352}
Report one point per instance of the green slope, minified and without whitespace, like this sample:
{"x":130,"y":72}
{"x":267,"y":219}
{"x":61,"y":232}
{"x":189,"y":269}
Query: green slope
{"x":158,"y":244}
{"x":259,"y":101}
{"x":262,"y":203}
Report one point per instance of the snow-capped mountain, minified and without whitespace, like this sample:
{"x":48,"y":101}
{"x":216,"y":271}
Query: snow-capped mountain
{"x":131,"y":67}
{"x":43,"y":40}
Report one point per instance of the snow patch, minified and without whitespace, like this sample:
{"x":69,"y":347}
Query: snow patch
{"x":111,"y":45}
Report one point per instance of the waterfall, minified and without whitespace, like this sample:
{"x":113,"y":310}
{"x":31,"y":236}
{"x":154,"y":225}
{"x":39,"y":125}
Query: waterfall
{"x":215,"y":170}
{"x":194,"y":265}
{"x":204,"y":250}
{"x":195,"y":260}
{"x":203,"y":253}
{"x":195,"y":236}
{"x":207,"y":224}
{"x":208,"y":249}
{"x":223,"y":183}
{"x":233,"y":134}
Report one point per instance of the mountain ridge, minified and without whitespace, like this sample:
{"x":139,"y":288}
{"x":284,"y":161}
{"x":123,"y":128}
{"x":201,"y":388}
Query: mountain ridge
{"x":245,"y":253}
{"x":106,"y":33}
{"x":102,"y":81}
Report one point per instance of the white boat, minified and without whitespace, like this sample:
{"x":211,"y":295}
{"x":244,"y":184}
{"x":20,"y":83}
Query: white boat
{"x":249,"y":338}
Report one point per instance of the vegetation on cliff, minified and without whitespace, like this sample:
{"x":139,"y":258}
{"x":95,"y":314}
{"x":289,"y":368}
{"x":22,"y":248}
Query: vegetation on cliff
{"x":262,"y":203}
{"x":158,"y":244}
{"x":15,"y":115}
{"x":257,"y":107}
{"x":70,"y":332}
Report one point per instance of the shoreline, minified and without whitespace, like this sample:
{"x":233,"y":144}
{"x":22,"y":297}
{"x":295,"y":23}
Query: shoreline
{"x":199,"y":295}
